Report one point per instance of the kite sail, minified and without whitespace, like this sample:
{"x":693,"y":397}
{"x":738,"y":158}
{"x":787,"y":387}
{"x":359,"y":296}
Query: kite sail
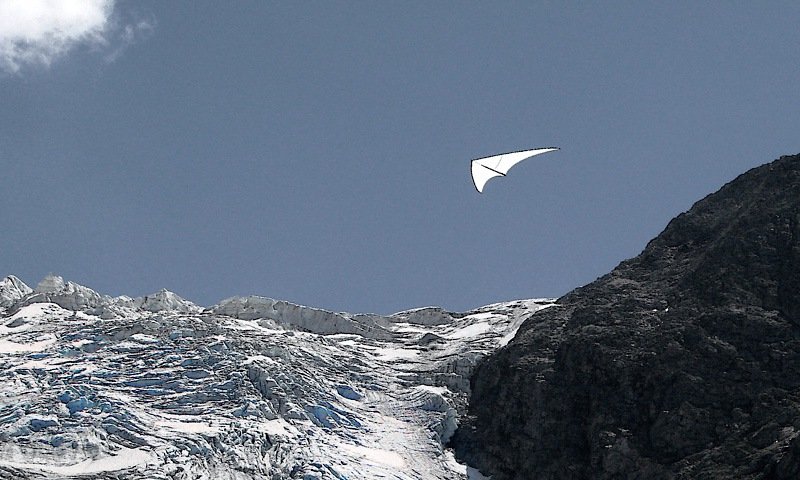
{"x":486,"y":168}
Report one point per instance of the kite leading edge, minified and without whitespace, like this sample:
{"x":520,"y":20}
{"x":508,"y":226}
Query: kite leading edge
{"x":486,"y":168}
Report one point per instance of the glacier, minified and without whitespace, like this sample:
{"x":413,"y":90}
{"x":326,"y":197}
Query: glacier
{"x":156,"y":387}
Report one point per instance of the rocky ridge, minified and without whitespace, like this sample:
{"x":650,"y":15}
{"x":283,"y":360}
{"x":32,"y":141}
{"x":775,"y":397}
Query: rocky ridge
{"x":683,"y":362}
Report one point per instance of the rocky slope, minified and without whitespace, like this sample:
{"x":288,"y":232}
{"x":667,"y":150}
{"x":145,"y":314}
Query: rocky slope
{"x":157,"y":388}
{"x":683,"y":362}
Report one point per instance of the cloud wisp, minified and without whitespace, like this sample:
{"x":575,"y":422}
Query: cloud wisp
{"x":38,"y":32}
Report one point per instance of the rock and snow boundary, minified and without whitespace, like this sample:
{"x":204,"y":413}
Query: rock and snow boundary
{"x":159,"y":388}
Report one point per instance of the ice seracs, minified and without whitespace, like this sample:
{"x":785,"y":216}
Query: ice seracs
{"x":158,"y":388}
{"x":164,"y":300}
{"x":76,"y":297}
{"x":306,"y":318}
{"x":51,"y":284}
{"x":12,"y":289}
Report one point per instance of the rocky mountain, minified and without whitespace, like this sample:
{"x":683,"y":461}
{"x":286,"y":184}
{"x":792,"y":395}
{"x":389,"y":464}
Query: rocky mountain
{"x":158,"y":388}
{"x":683,"y":362}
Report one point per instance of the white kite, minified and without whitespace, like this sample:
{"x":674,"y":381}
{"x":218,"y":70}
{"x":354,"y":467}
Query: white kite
{"x":486,"y":168}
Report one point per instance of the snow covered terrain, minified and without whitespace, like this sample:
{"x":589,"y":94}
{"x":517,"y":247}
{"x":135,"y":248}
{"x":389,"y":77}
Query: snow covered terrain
{"x":156,"y":387}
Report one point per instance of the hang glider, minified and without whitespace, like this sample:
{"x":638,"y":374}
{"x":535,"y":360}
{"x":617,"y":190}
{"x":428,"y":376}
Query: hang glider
{"x":486,"y":168}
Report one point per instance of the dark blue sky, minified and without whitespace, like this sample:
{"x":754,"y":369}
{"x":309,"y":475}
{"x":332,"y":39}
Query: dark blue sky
{"x":319,"y":152}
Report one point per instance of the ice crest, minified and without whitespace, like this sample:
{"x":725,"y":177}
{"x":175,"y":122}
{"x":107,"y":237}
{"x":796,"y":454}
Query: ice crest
{"x":73,"y":296}
{"x":50,"y":284}
{"x":314,"y":320}
{"x":12,"y":289}
{"x":164,"y":300}
{"x":68,"y":295}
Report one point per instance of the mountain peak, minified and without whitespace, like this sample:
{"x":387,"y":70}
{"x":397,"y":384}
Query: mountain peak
{"x":666,"y":365}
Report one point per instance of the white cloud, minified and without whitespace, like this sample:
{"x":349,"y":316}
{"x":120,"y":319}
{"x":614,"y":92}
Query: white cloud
{"x":37,"y":32}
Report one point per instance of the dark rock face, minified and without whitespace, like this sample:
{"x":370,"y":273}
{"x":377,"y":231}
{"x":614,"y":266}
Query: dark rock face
{"x":683,"y":362}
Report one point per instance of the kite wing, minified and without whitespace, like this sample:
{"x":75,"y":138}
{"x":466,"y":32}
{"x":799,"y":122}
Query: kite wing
{"x":486,"y":168}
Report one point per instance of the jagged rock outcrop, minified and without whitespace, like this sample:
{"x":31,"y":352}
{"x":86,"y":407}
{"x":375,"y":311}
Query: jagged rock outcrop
{"x":683,"y":362}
